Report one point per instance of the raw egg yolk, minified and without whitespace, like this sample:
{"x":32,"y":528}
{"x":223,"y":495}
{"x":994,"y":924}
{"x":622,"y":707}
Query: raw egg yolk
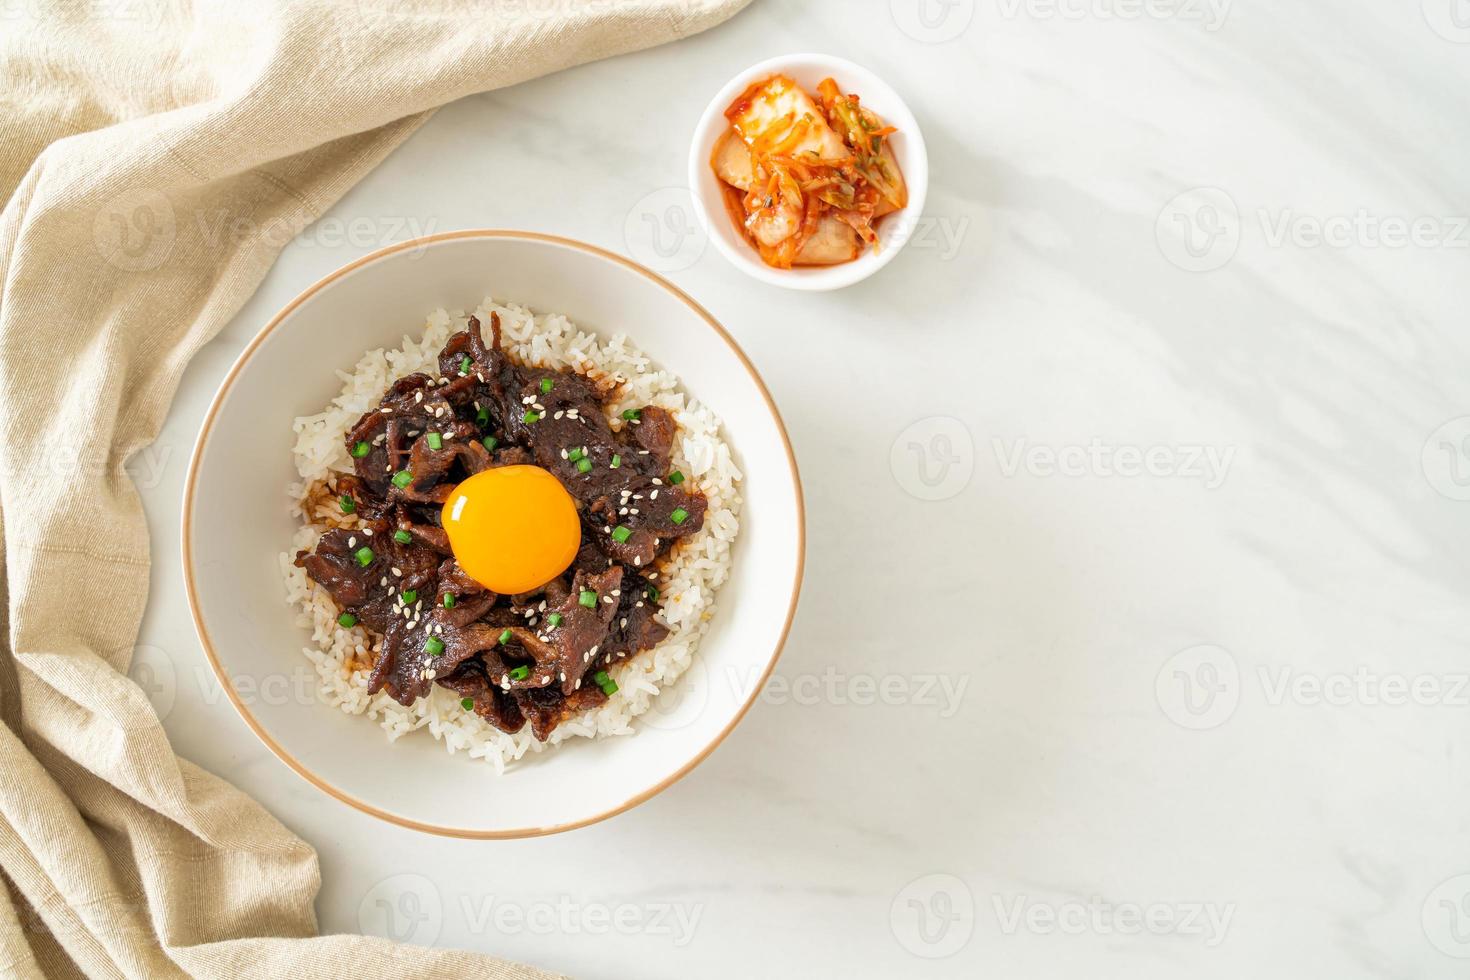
{"x":512,"y":529}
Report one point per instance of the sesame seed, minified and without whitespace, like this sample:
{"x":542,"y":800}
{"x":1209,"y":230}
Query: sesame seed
{"x":397,"y":572}
{"x":352,"y":541}
{"x":367,"y":531}
{"x":653,"y":496}
{"x":657,"y":482}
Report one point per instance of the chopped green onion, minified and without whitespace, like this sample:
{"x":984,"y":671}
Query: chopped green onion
{"x":631,"y":414}
{"x":505,"y":637}
{"x":588,"y":598}
{"x":435,"y":441}
{"x":679,"y":516}
{"x":483,"y":416}
{"x":467,"y":704}
{"x":520,"y":673}
{"x":402,"y":479}
{"x":434,"y":646}
{"x":610,"y":688}
{"x":616,"y":461}
{"x":448,"y":600}
{"x":554,"y":619}
{"x":546,"y":384}
{"x":530,"y":417}
{"x":584,"y":465}
{"x":402,"y":537}
{"x":360,"y":449}
{"x":651,"y":591}
{"x":410,"y":597}
{"x":347,"y":503}
{"x":576,"y":454}
{"x":347,"y":621}
{"x":621,"y":534}
{"x":600,"y":678}
{"x":364,"y":556}
{"x":676,"y":478}
{"x":464,"y":364}
{"x":491,"y":442}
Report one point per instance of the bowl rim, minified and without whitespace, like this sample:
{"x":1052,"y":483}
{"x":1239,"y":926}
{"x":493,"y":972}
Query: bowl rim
{"x":206,"y":428}
{"x":812,"y":278}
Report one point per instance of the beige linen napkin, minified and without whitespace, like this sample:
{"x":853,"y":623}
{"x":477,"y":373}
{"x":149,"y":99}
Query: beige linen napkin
{"x":121,"y":120}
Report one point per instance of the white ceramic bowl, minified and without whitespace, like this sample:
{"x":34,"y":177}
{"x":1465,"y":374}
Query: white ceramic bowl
{"x":236,"y":523}
{"x":808,"y":70}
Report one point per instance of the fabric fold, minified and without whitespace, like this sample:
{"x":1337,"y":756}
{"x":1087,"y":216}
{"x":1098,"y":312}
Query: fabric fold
{"x":127,"y":142}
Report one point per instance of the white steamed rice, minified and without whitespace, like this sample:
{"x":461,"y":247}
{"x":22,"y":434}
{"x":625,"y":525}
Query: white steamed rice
{"x":688,"y":583}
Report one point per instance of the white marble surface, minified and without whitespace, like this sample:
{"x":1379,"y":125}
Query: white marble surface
{"x":1181,"y":493}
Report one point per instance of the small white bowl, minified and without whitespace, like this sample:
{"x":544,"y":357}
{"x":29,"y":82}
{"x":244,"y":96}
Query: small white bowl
{"x":908,"y":146}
